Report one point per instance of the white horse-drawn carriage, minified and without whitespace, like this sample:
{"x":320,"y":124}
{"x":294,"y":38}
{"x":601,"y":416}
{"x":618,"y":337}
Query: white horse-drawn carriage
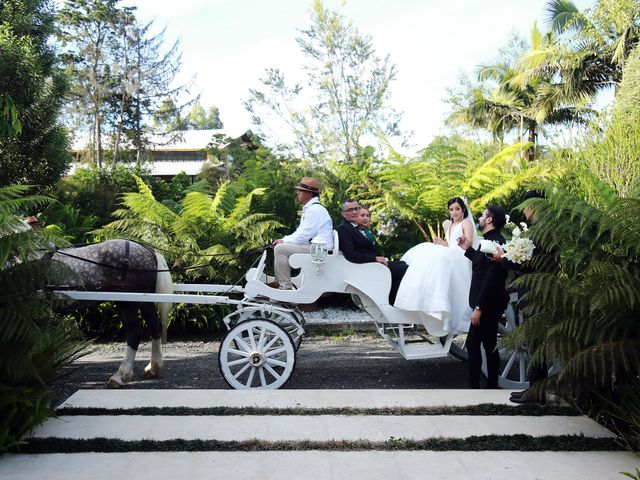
{"x":266,"y":329}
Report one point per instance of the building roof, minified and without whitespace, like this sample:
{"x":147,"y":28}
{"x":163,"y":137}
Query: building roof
{"x":181,"y":140}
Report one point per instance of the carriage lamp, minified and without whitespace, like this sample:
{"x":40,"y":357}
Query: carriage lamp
{"x":318,"y":251}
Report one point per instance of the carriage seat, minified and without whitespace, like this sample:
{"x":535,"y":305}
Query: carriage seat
{"x":370,"y":282}
{"x":336,"y":275}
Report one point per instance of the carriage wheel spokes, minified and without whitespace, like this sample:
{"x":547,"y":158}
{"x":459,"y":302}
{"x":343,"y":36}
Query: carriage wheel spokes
{"x":513,"y":375}
{"x":257,"y":353}
{"x":290,"y":321}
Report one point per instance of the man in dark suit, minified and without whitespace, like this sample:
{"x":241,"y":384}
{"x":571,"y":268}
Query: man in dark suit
{"x":357,"y":249}
{"x":488,"y":297}
{"x":537,"y":372}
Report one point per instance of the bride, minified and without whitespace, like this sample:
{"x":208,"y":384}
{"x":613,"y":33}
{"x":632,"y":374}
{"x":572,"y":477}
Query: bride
{"x":439,"y":275}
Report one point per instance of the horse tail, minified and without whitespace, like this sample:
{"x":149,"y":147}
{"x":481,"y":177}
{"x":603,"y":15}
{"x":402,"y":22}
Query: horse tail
{"x":164,"y":284}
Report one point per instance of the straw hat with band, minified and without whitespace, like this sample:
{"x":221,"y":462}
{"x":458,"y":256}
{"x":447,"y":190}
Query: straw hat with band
{"x":308,"y":184}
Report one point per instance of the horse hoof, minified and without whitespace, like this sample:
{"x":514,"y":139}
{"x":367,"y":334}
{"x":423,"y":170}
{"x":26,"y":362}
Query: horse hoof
{"x":113,"y":384}
{"x":152,"y":371}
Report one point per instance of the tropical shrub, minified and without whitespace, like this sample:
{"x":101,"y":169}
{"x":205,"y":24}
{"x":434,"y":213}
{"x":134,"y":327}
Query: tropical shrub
{"x":213,"y":238}
{"x":583,"y":302}
{"x":247,"y":168}
{"x":206,"y":240}
{"x":34,"y":344}
{"x":89,"y":196}
{"x":418,"y":189}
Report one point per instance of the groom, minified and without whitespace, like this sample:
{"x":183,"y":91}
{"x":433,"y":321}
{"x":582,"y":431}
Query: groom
{"x":358,"y":249}
{"x":488,"y":297}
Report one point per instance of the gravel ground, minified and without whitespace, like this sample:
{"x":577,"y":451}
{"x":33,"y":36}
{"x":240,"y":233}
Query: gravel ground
{"x":360,"y":361}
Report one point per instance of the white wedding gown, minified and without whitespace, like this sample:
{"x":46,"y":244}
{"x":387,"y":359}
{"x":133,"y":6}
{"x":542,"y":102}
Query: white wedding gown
{"x":437,"y":282}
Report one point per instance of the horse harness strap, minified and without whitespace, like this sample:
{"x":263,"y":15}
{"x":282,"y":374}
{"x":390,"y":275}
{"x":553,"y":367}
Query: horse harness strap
{"x":125,"y":261}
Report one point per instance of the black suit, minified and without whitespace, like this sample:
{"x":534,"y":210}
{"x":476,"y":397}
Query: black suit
{"x":357,"y":249}
{"x":488,"y":291}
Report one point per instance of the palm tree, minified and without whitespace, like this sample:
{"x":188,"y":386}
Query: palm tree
{"x":517,"y":102}
{"x":590,"y":52}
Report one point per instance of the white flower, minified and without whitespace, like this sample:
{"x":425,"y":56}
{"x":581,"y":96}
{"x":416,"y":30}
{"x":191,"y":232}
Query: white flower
{"x":507,"y":219}
{"x":516,"y":232}
{"x":519,"y":250}
{"x":524,"y":226}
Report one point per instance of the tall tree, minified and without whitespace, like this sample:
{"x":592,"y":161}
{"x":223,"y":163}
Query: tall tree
{"x":153,"y":74}
{"x":32,"y":142}
{"x":168,"y":117}
{"x":121,"y":72}
{"x":87,"y":29}
{"x":502,"y":103}
{"x":201,"y":119}
{"x":592,"y":49}
{"x":347,"y":101}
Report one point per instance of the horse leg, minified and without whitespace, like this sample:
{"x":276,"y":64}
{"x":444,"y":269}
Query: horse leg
{"x":150,"y":315}
{"x":133,"y":332}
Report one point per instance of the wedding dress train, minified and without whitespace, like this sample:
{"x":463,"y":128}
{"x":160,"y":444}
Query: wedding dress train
{"x":437,"y":282}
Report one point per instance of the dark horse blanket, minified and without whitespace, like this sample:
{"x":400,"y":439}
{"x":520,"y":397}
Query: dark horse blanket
{"x":114,"y":265}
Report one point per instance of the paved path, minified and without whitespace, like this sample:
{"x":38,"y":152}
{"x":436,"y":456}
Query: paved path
{"x":313,"y":464}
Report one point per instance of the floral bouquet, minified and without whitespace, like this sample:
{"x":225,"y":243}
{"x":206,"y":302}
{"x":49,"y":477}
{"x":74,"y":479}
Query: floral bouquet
{"x":518,"y":249}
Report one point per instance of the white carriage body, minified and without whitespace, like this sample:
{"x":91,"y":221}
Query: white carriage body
{"x":251,"y":325}
{"x":368,"y":284}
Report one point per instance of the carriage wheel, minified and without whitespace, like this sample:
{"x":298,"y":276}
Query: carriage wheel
{"x":290,"y":322}
{"x":256,"y":354}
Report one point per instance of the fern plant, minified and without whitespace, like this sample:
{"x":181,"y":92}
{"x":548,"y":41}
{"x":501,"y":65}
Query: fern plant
{"x":418,"y":189}
{"x":583,"y":302}
{"x":34,"y":345}
{"x":206,"y":240}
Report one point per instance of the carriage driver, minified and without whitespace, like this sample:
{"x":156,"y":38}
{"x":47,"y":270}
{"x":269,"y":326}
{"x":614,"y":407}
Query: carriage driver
{"x":315,"y":222}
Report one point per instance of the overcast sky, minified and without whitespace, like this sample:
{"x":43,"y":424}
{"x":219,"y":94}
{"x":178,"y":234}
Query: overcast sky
{"x":227,"y":44}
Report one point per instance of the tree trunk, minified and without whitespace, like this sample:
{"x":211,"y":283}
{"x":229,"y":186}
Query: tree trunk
{"x":116,"y":145}
{"x":138,"y":135}
{"x":530,"y":154}
{"x":98,"y":140}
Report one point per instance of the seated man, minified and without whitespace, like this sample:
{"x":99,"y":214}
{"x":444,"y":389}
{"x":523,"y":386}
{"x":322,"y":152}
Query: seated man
{"x":357,"y":249}
{"x":315,"y":222}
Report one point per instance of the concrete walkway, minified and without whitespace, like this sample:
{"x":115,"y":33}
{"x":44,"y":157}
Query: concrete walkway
{"x":368,"y":465}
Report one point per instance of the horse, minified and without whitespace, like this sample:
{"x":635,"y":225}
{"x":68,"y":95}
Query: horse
{"x":122,"y":265}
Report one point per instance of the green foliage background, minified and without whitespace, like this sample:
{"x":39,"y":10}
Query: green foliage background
{"x":582,"y":297}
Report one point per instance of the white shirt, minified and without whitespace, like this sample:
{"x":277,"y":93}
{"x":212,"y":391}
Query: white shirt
{"x":315,"y":222}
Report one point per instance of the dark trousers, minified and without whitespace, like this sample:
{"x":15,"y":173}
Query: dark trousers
{"x":485,"y":334}
{"x":537,"y":373}
{"x":397,"y":269}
